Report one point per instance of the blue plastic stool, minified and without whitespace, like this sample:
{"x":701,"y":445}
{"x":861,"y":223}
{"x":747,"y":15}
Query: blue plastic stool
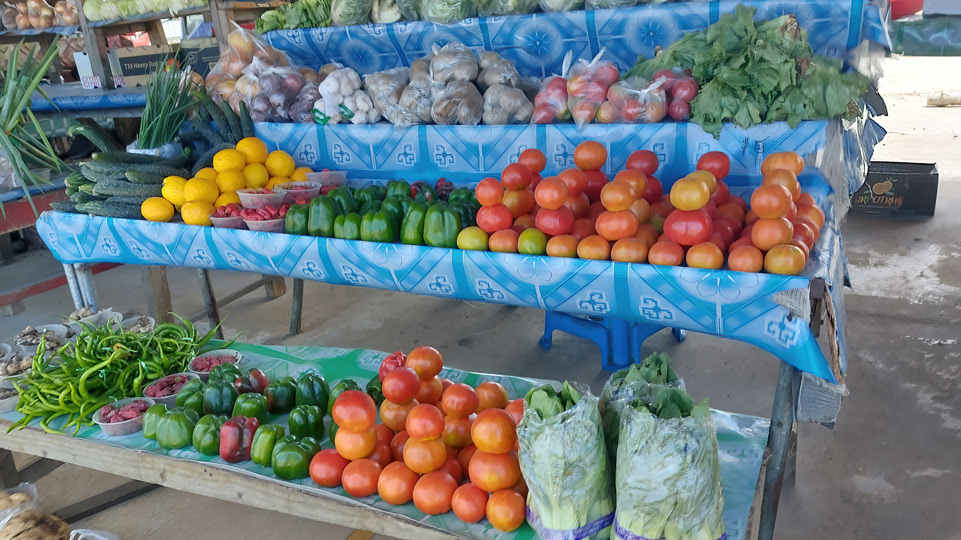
{"x":620,"y":341}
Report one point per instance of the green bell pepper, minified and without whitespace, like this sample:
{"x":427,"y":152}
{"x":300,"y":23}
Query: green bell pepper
{"x":426,"y":194}
{"x":312,"y":389}
{"x":224,"y":372}
{"x":441,"y":226}
{"x":280,"y":395}
{"x":306,"y":421}
{"x":291,"y":459}
{"x":381,"y":191}
{"x":320,"y":217}
{"x":412,"y":228}
{"x":465,"y":212}
{"x":398,"y":188}
{"x":394,"y":207}
{"x":370,"y":208}
{"x":366,"y":195}
{"x":460,"y":195}
{"x":265,"y":440}
{"x":375,"y":389}
{"x":295,"y":222}
{"x":343,"y":197}
{"x":347,"y":227}
{"x":152,"y":417}
{"x":191,"y":396}
{"x":206,"y":434}
{"x":219,"y":397}
{"x":251,"y":405}
{"x":342,"y":386}
{"x":378,"y":227}
{"x":175,"y":429}
{"x":332,"y":431}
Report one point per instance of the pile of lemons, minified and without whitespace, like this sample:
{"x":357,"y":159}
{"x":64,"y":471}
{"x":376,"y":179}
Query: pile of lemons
{"x":247,"y":165}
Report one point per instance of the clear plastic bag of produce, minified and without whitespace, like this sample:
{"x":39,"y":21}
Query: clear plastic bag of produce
{"x":639,"y":381}
{"x":386,"y":88}
{"x":608,"y":4}
{"x":40,"y":14}
{"x":453,"y":62}
{"x":505,"y":7}
{"x":416,"y":99}
{"x":565,"y":464}
{"x":17,"y":499}
{"x":342,"y":100}
{"x":267,"y":90}
{"x":90,"y":534}
{"x":680,"y":88}
{"x":667,"y":475}
{"x":65,"y":13}
{"x":301,"y":110}
{"x":384,"y":12}
{"x":457,"y":102}
{"x":550,"y":102}
{"x":495,"y":69}
{"x":409,"y":9}
{"x":350,"y":12}
{"x":8,"y":15}
{"x":506,"y":105}
{"x":447,"y":11}
{"x":587,"y":87}
{"x":550,"y":6}
{"x":243,"y":46}
{"x":633,"y":101}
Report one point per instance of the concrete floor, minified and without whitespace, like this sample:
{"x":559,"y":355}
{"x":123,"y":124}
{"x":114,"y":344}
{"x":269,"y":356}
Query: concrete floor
{"x":890,"y":469}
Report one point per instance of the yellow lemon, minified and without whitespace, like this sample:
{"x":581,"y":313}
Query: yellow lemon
{"x":198,"y":189}
{"x":276,"y":180}
{"x":157,"y":209}
{"x":231,"y":181}
{"x":229,"y":160}
{"x":253,"y":148}
{"x":229,"y":197}
{"x":174,"y":180}
{"x":300,"y":174}
{"x":279,"y":163}
{"x":173,"y":192}
{"x":196,"y":213}
{"x":207,"y":173}
{"x":256,"y":175}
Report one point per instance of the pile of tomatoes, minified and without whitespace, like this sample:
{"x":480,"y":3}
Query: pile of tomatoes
{"x":581,"y":213}
{"x":442,"y":445}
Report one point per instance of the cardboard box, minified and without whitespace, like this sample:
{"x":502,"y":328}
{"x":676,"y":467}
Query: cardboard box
{"x":201,"y":53}
{"x":132,"y":66}
{"x":942,"y":7}
{"x":898,"y":189}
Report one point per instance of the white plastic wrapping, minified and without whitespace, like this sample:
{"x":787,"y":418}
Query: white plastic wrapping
{"x":457,"y":102}
{"x":386,"y":89}
{"x":453,"y":62}
{"x":417,"y":99}
{"x":17,"y":499}
{"x":587,"y":87}
{"x":301,"y":109}
{"x":633,"y":101}
{"x":335,"y":89}
{"x":506,"y":105}
{"x":495,"y":69}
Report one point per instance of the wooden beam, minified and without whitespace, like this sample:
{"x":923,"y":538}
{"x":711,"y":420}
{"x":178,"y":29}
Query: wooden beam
{"x":103,"y":501}
{"x":38,"y":469}
{"x":275,"y":288}
{"x":8,"y":470}
{"x":159,"y":305}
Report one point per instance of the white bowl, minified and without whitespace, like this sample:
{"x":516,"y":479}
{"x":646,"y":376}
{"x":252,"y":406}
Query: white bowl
{"x":9,"y":404}
{"x":130,"y":321}
{"x":216,"y":352}
{"x":126,"y":427}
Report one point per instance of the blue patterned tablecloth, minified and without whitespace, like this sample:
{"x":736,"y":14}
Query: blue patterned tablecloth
{"x":537,"y":43}
{"x":72,"y":97}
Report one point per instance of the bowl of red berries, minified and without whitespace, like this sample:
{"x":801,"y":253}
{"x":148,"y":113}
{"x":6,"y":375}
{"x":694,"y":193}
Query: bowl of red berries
{"x":122,"y":417}
{"x":298,"y":192}
{"x":266,"y":218}
{"x":164,"y":390}
{"x":228,"y":217}
{"x":259,"y":197}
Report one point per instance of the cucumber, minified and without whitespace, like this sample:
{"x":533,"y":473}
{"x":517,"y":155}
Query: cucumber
{"x":64,"y":206}
{"x":207,"y":159}
{"x":218,"y":115}
{"x":233,"y":120}
{"x":75,"y":179}
{"x":83,"y":197}
{"x":246,"y":124}
{"x":125,"y":157}
{"x":70,"y":190}
{"x":100,"y":138}
{"x":144,"y":178}
{"x":208,"y":133}
{"x":112,"y":168}
{"x":106,"y":209}
{"x":87,"y":188}
{"x":127,"y":200}
{"x":91,"y":173}
{"x":123,"y":188}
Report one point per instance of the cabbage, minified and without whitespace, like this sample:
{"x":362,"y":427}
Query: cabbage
{"x":560,"y":5}
{"x":385,"y":11}
{"x":506,"y":7}
{"x":350,"y":12}
{"x":109,"y":11}
{"x":123,"y":7}
{"x":91,"y":10}
{"x":447,"y":11}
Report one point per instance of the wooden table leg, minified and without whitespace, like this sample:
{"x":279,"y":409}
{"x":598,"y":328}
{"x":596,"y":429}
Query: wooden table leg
{"x":275,"y":288}
{"x":297,"y":307}
{"x":210,"y":302}
{"x":778,"y":441}
{"x":8,"y":471}
{"x":159,"y":305}
{"x":6,"y":249}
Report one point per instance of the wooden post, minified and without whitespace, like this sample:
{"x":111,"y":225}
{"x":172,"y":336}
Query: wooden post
{"x":210,"y":302}
{"x":8,"y":471}
{"x":297,"y":307}
{"x":158,"y":293}
{"x":275,"y":288}
{"x":96,"y":47}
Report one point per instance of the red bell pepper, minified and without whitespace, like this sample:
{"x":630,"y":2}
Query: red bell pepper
{"x":392,"y":362}
{"x":236,"y":436}
{"x":255,"y":381}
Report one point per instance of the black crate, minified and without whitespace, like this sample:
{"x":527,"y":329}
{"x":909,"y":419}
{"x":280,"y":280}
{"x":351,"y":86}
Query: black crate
{"x":898,"y":189}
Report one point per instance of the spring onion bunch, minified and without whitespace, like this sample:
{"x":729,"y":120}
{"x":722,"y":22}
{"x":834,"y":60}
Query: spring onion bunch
{"x":168,"y":99}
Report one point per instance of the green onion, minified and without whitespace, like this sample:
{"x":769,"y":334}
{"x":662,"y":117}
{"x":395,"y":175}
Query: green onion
{"x":168,"y":99}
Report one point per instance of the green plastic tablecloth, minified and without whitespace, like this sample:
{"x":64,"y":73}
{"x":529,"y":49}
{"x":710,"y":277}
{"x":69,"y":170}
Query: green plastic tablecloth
{"x":741,"y":438}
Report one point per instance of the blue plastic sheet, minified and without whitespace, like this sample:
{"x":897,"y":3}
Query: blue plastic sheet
{"x":72,"y":97}
{"x":537,"y":43}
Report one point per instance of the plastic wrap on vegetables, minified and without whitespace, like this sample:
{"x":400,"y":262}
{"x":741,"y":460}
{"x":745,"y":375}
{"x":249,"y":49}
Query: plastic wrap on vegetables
{"x":458,"y":102}
{"x":447,"y":11}
{"x":550,"y":104}
{"x":633,"y":101}
{"x":565,"y":464}
{"x":243,"y":47}
{"x":334,"y":91}
{"x":417,"y":97}
{"x":506,"y":7}
{"x":386,"y":89}
{"x":301,"y":110}
{"x":506,"y":105}
{"x":609,"y":4}
{"x":587,"y":87}
{"x":453,"y":62}
{"x":350,"y":12}
{"x":495,"y":69}
{"x":384,"y":12}
{"x":409,"y":9}
{"x":560,"y":5}
{"x":667,"y":475}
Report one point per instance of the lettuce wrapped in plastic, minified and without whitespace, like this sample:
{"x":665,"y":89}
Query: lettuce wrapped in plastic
{"x":565,"y":464}
{"x":560,"y":5}
{"x":447,"y":11}
{"x":506,"y":7}
{"x":350,"y":12}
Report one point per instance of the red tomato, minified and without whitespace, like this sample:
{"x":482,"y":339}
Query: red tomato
{"x":354,"y":410}
{"x":767,"y":233}
{"x":457,"y":431}
{"x":579,"y":205}
{"x":666,"y":253}
{"x":662,"y":209}
{"x":647,"y":234}
{"x":426,"y":361}
{"x":732,"y":223}
{"x":535,"y":179}
{"x":506,"y":510}
{"x":804,"y":233}
{"x":688,"y":228}
{"x":516,"y":176}
{"x":516,"y":409}
{"x":583,"y":228}
{"x":401,"y":385}
{"x":644,"y":161}
{"x":783,"y":160}
{"x":722,"y":195}
{"x":424,"y":456}
{"x":784,"y":259}
{"x":629,"y":250}
{"x":494,"y":431}
{"x":430,"y":391}
{"x":724,"y":228}
{"x":742,"y":241}
{"x":746,"y":231}
{"x":452,"y":467}
{"x":617,"y":196}
{"x":327,"y":467}
{"x":590,"y":155}
{"x":750,"y":217}
{"x":433,"y":492}
{"x":396,"y":483}
{"x":469,"y":503}
{"x":397,"y":445}
{"x":575,"y":180}
{"x":705,"y":255}
{"x":381,"y":454}
{"x":595,"y":210}
{"x":390,"y":363}
{"x":635,"y":179}
{"x":812,"y":215}
{"x":524,"y":222}
{"x":613,"y":226}
{"x":641,"y":210}
{"x":493,"y":218}
{"x":745,"y":258}
{"x":465,"y":455}
{"x":551,"y":193}
{"x":452,"y":452}
{"x":519,"y":202}
{"x":555,"y":222}
{"x":718,"y":240}
{"x":594,"y":247}
{"x":654,"y":190}
{"x":491,"y":472}
{"x":596,"y":180}
{"x":489,"y":191}
{"x":771,"y":201}
{"x":806,"y":199}
{"x":504,"y":241}
{"x":521,"y":487}
{"x":740,"y":202}
{"x":459,"y":401}
{"x":491,"y":395}
{"x":425,"y":422}
{"x":384,"y":434}
{"x":533,"y":159}
{"x":804,"y":247}
{"x":716,"y":163}
{"x":732,"y":211}
{"x":564,"y":245}
{"x":360,"y":477}
{"x":394,"y":415}
{"x":355,"y":445}
{"x":783,"y":177}
{"x":689,"y":194}
{"x":791,"y":214}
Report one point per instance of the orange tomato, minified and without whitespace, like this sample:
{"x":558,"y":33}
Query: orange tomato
{"x":491,"y":395}
{"x":594,"y":247}
{"x":617,"y":196}
{"x":734,"y":225}
{"x":647,"y":234}
{"x":519,"y":202}
{"x":516,"y":409}
{"x":515,"y":176}
{"x":583,"y":228}
{"x":426,"y":361}
{"x":397,"y":445}
{"x":579,"y":205}
{"x":360,"y":477}
{"x":381,"y":454}
{"x":491,"y":472}
{"x":533,"y":159}
{"x":791,"y":214}
{"x":494,"y":431}
{"x":705,"y":255}
{"x":504,"y":241}
{"x":523,"y":223}
{"x":666,"y":253}
{"x":707,"y":177}
{"x":636,"y":179}
{"x":564,"y":245}
{"x":783,"y":160}
{"x":384,"y":434}
{"x":457,"y":432}
{"x":430,"y":391}
{"x":452,"y":467}
{"x":469,"y":503}
{"x":717,"y":163}
{"x":786,"y":178}
{"x":804,"y":247}
{"x":590,"y":155}
{"x":551,"y":193}
{"x":459,"y":401}
{"x":465,"y":455}
{"x":771,"y":201}
{"x":689,"y":194}
{"x":752,"y":216}
{"x":394,"y":415}
{"x":424,"y":456}
{"x":494,"y":218}
{"x":489,"y":192}
{"x":742,"y":241}
{"x":784,"y":259}
{"x":425,"y":422}
{"x":327,"y":468}
{"x":576,"y":181}
{"x":433,"y":492}
{"x":614,"y":225}
{"x":629,"y":250}
{"x":396,"y":483}
{"x":767,"y":233}
{"x":354,"y":410}
{"x":806,"y":199}
{"x":745,"y":258}
{"x":813,"y":215}
{"x":355,"y":445}
{"x":641,"y":210}
{"x":731,"y":210}
{"x":506,"y":510}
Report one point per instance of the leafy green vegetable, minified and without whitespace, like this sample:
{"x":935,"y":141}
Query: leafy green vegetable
{"x":350,"y":12}
{"x":447,"y":11}
{"x":299,"y":14}
{"x":547,"y":402}
{"x":506,"y":7}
